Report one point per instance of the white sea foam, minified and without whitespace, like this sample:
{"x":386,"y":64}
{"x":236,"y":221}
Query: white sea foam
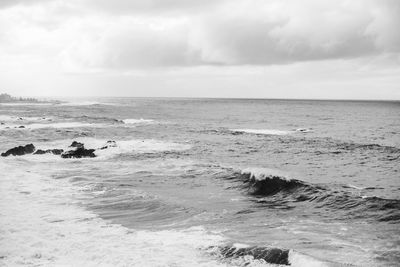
{"x":42,"y":225}
{"x":135,"y":146}
{"x":138,"y":121}
{"x":14,"y":122}
{"x":263,"y":131}
{"x":301,"y":260}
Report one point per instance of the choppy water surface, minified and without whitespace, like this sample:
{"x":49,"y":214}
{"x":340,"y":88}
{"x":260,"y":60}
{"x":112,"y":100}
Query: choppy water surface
{"x":202,"y":182}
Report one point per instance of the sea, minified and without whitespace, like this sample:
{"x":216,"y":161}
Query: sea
{"x":201,"y":182}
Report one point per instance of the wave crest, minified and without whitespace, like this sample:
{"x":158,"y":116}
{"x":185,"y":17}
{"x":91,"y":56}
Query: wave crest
{"x":275,"y":189}
{"x":260,"y":181}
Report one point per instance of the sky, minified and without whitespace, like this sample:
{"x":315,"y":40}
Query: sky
{"x":323,"y":49}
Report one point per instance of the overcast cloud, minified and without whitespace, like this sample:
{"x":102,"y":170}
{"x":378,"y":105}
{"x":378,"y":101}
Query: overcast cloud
{"x":237,"y":45}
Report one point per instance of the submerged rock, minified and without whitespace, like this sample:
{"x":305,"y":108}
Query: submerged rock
{"x":49,"y":151}
{"x":19,"y":150}
{"x":76,"y":144}
{"x":269,"y":255}
{"x":109,"y":144}
{"x":80,"y":152}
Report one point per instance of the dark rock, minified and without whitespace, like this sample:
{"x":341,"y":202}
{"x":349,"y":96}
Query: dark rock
{"x":109,"y":144}
{"x":80,"y":152}
{"x":48,"y":151}
{"x":19,"y":150}
{"x":56,"y":151}
{"x":21,"y":126}
{"x":40,"y":152}
{"x":270,"y":255}
{"x":76,"y":144}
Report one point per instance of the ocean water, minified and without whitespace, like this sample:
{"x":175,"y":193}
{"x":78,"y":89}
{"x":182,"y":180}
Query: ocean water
{"x":202,"y":182}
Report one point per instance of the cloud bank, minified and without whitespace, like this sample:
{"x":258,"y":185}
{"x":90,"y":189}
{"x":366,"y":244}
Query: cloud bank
{"x":134,"y":34}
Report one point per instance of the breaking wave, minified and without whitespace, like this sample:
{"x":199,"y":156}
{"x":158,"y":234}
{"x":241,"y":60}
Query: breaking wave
{"x":22,"y":119}
{"x":57,"y":125}
{"x":21,"y":123}
{"x":138,"y":121}
{"x":270,"y":131}
{"x":244,"y":255}
{"x":260,"y":181}
{"x":273,"y":186}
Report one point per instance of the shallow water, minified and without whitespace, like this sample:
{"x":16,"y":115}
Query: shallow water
{"x":191,"y":176}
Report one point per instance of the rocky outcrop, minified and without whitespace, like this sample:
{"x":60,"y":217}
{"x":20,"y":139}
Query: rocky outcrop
{"x":19,"y":150}
{"x":76,"y":144}
{"x":80,"y":152}
{"x":109,"y":144}
{"x":49,"y":151}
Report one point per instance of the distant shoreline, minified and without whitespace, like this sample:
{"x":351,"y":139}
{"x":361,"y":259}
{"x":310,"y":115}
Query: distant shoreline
{"x":6,"y":98}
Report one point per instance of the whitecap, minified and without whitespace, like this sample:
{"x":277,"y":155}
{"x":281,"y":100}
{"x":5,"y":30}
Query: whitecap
{"x":355,"y":187}
{"x":16,"y":118}
{"x":138,"y":121}
{"x":263,"y":173}
{"x":85,"y":103}
{"x":80,"y":103}
{"x":58,"y":125}
{"x":263,"y":131}
{"x":304,"y":130}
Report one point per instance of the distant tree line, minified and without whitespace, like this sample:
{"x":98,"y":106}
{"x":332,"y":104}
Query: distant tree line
{"x":7,"y":98}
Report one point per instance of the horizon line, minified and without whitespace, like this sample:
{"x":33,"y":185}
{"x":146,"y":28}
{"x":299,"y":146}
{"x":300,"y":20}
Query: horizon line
{"x":215,"y":97}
